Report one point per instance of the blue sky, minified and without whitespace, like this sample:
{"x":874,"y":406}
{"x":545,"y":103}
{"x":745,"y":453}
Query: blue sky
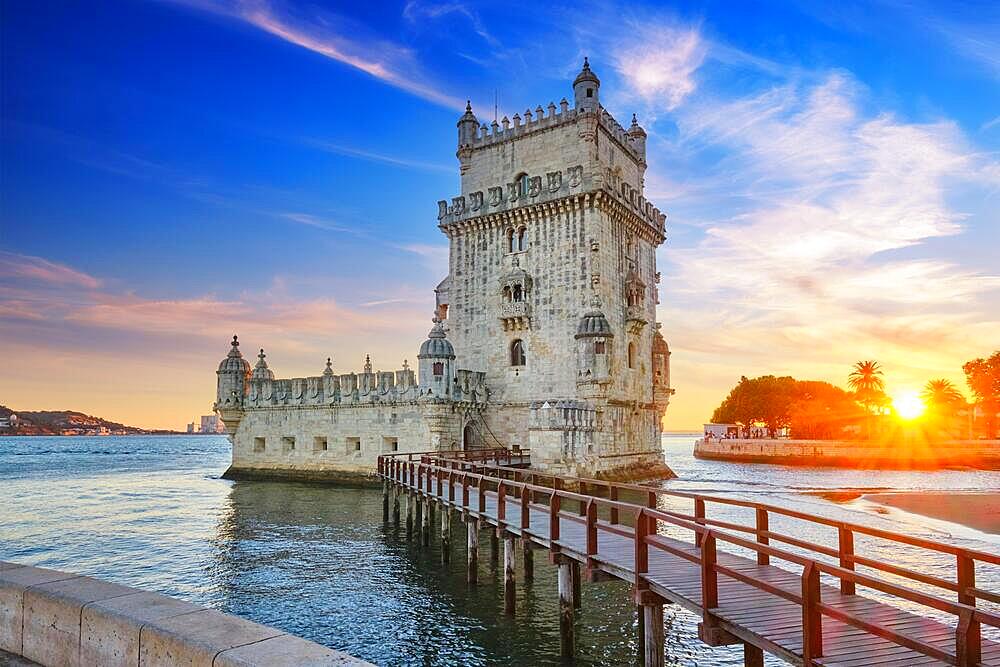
{"x":173,"y":171}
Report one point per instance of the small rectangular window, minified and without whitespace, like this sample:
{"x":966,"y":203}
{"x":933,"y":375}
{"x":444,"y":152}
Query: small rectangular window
{"x":258,"y":445}
{"x":590,"y":92}
{"x":390,"y":444}
{"x":288,"y":444}
{"x":354,"y":445}
{"x":319,"y":443}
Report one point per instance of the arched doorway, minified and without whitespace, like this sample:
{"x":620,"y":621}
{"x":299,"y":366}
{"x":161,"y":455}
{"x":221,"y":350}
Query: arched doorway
{"x":469,"y":439}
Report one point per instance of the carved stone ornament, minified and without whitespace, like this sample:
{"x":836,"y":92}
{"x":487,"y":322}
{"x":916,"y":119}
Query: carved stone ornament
{"x":575,"y":176}
{"x":442,"y":209}
{"x":534,"y":186}
{"x":458,"y":205}
{"x":496,"y":196}
{"x":512,"y":192}
{"x":555,"y":180}
{"x":476,"y":200}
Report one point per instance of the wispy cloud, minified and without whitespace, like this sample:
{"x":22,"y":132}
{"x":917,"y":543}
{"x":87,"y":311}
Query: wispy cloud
{"x":310,"y":220}
{"x":37,"y":269}
{"x":660,"y":61}
{"x":380,"y":158}
{"x":334,"y":37}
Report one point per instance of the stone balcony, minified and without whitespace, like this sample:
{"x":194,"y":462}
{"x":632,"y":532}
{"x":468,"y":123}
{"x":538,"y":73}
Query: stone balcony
{"x":635,"y":318}
{"x":515,"y":315}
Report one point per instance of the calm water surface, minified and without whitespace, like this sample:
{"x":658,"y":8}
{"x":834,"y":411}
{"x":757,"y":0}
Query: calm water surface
{"x":152,"y":512}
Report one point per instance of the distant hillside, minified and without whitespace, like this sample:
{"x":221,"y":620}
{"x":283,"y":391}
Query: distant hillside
{"x":63,"y":422}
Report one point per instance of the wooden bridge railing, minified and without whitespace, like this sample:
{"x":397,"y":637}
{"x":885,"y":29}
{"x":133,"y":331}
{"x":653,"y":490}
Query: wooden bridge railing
{"x":426,"y":473}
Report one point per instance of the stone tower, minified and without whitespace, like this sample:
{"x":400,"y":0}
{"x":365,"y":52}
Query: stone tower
{"x":551,"y":286}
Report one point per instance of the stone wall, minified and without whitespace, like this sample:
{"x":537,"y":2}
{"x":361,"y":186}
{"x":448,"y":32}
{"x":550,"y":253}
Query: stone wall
{"x":894,"y":454}
{"x":340,"y":443}
{"x":58,"y":619}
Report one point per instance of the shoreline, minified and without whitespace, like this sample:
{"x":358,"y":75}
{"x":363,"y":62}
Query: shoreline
{"x":979,"y":510}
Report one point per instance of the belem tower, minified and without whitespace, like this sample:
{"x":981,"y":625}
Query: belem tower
{"x":544,"y":334}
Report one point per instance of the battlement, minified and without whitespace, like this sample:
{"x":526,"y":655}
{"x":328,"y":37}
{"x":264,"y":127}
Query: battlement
{"x":508,"y":129}
{"x":556,"y":185}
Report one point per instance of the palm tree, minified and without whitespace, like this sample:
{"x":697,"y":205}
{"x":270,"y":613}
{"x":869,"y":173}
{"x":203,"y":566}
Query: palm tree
{"x":866,"y":381}
{"x":941,"y":395}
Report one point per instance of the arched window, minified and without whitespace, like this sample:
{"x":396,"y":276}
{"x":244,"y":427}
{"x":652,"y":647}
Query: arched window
{"x":631,"y":355}
{"x":438,"y":368}
{"x":506,"y":294}
{"x":518,"y":294}
{"x":522,"y":185}
{"x":599,"y":347}
{"x":511,"y":241}
{"x":517,"y":357}
{"x":522,"y":238}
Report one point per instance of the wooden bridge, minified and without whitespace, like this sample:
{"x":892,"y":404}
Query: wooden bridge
{"x":611,"y":530}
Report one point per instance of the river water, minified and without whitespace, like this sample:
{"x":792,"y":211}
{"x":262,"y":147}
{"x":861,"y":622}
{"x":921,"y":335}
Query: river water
{"x":152,"y":512}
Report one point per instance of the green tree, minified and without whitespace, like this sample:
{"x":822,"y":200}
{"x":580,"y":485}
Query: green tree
{"x":983,"y":378}
{"x":941,"y":396}
{"x":822,"y":411}
{"x":866,"y":381}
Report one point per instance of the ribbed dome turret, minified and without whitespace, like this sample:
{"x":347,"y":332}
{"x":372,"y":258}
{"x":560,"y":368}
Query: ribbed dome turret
{"x":234,"y":361}
{"x":586,"y":74}
{"x":594,"y":324}
{"x":636,"y":129}
{"x":437,"y":344}
{"x":261,"y":371}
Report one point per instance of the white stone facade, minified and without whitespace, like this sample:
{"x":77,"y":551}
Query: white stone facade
{"x":550,"y":301}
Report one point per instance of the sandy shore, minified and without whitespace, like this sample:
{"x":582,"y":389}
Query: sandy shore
{"x":980,"y":511}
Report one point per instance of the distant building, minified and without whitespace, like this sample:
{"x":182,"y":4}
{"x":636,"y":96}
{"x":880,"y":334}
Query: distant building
{"x":212,"y":424}
{"x":191,"y":428}
{"x":9,"y":421}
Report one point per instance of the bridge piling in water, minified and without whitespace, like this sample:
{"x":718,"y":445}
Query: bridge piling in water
{"x":566,"y":607}
{"x":409,"y":515}
{"x":741,"y":600}
{"x":472,"y":553}
{"x":509,"y":572}
{"x":445,"y":535}
{"x":395,"y":507}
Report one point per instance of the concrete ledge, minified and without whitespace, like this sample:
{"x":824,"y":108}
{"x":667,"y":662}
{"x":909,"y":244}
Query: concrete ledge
{"x":57,"y":619}
{"x":349,"y":478}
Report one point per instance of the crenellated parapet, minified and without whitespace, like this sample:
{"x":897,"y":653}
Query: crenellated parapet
{"x":551,"y":186}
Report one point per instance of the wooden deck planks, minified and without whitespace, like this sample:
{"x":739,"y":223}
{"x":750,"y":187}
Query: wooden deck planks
{"x":757,"y":614}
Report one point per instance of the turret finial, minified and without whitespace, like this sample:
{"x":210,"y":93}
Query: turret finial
{"x":368,"y":363}
{"x":261,"y":355}
{"x":406,"y":365}
{"x":635,"y":121}
{"x":236,"y":341}
{"x":468,"y":105}
{"x":586,"y":63}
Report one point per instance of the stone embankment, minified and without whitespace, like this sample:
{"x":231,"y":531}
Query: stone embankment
{"x":903,"y":453}
{"x":57,"y":619}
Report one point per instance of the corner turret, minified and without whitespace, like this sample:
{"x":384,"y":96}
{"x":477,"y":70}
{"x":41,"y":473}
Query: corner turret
{"x":467,"y":126}
{"x":593,"y":347}
{"x":437,"y":362}
{"x":638,"y":136}
{"x":586,"y":87}
{"x":261,"y":371}
{"x":232,"y":386}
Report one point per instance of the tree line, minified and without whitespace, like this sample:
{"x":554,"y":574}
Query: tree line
{"x":817,"y":410}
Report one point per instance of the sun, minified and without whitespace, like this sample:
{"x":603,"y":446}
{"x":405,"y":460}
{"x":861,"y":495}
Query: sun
{"x":908,"y":405}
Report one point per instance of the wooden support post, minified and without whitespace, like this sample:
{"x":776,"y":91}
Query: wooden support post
{"x":846,"y":549}
{"x":430,"y":511}
{"x":708,"y":630}
{"x":652,"y":621}
{"x":385,"y":501}
{"x":529,"y":561}
{"x":968,"y":640}
{"x":699,"y":513}
{"x":409,"y":515}
{"x":762,"y":527}
{"x":494,"y":547}
{"x":508,"y":573}
{"x":472,"y":527}
{"x":419,"y":519}
{"x":445,"y":534}
{"x":395,"y":506}
{"x":425,"y":528}
{"x":752,"y":656}
{"x":613,"y":495}
{"x":640,"y":631}
{"x":966,"y":579}
{"x":577,"y":593}
{"x":812,"y":618}
{"x":566,"y":605}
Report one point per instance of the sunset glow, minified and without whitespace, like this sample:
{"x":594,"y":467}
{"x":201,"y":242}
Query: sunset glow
{"x":908,"y":405}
